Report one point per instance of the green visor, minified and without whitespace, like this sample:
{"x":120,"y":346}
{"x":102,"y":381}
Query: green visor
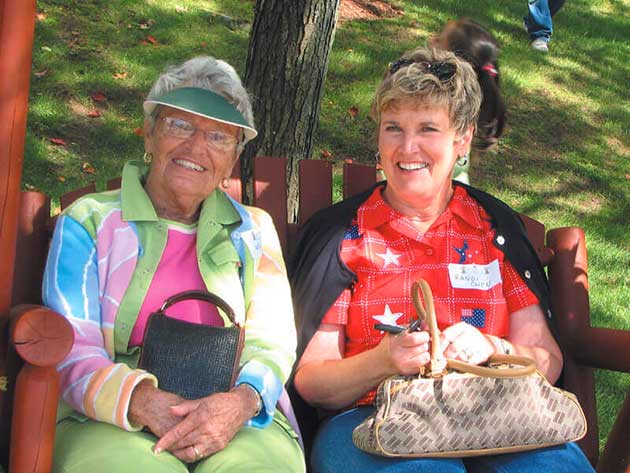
{"x":204,"y":103}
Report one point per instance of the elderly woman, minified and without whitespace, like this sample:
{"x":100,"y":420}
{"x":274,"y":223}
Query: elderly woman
{"x":116,"y":256}
{"x":356,"y":261}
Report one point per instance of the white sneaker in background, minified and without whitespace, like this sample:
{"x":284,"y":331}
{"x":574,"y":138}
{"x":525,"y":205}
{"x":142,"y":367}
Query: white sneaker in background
{"x":541,"y":45}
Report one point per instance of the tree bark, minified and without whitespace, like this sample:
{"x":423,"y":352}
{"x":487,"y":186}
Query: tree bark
{"x":289,"y":45}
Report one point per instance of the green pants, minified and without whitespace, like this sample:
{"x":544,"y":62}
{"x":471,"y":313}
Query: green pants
{"x":96,"y":447}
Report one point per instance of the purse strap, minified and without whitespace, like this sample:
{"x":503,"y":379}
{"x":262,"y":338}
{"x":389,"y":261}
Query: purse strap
{"x":201,"y":296}
{"x":524,"y":365}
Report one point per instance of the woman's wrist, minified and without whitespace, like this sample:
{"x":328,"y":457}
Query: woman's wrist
{"x":252,"y":397}
{"x":140,"y":399}
{"x":501,"y":345}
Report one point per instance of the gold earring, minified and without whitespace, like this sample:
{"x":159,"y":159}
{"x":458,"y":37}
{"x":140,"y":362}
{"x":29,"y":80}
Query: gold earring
{"x":225,"y":182}
{"x":147,"y":158}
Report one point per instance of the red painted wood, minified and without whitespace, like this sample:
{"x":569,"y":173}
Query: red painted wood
{"x":536,"y":233}
{"x":32,"y":247}
{"x":270,"y":191}
{"x":357,"y":178}
{"x":114,"y":183}
{"x":17,"y":27}
{"x":568,"y":274}
{"x":71,"y":196}
{"x":315,"y":187}
{"x":235,"y":189}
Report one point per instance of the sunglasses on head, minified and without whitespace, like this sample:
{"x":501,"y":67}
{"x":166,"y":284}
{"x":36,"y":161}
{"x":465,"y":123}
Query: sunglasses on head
{"x":444,"y":71}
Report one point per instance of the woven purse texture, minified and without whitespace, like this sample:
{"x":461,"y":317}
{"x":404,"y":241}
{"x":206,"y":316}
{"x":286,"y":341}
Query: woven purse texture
{"x":459,"y":414}
{"x":192,"y":360}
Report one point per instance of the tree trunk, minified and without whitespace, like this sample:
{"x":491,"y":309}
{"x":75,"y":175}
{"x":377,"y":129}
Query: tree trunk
{"x":287,"y":62}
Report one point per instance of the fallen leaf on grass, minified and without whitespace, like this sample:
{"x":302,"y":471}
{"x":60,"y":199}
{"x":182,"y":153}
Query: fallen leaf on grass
{"x":627,"y":177}
{"x":326,"y":154}
{"x":40,"y":16}
{"x":120,"y":75}
{"x":58,"y":141}
{"x":46,"y":48}
{"x":61,"y":179}
{"x":139,"y":131}
{"x":94,"y":113}
{"x":145,"y":25}
{"x":88,"y":168}
{"x":180,"y":9}
{"x":152,"y":40}
{"x":353,"y":111}
{"x":41,"y":73}
{"x":98,"y":96}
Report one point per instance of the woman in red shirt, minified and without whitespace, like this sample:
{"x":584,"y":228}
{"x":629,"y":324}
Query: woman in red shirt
{"x":419,"y":224}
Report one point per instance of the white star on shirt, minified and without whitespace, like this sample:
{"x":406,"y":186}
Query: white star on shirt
{"x":390,"y":257}
{"x":388,"y":317}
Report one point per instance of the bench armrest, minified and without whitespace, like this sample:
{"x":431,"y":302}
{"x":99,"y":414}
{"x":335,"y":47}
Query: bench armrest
{"x":42,"y":338}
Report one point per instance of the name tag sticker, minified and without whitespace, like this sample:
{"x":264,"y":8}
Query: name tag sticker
{"x":475,"y":276}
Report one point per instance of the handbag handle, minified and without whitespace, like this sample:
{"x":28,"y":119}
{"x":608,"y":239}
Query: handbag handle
{"x":202,"y":296}
{"x":438,"y":364}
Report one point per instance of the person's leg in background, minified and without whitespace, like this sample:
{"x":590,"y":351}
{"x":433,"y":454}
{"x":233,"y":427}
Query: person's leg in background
{"x":555,"y":5}
{"x":538,"y":24}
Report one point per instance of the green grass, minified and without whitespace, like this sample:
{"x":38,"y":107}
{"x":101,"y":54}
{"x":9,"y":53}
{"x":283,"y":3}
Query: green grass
{"x":565,"y":158}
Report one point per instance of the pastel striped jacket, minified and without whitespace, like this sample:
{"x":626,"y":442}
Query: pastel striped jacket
{"x":104,"y":252}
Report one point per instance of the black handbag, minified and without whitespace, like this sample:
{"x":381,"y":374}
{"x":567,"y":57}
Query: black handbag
{"x":192,"y":360}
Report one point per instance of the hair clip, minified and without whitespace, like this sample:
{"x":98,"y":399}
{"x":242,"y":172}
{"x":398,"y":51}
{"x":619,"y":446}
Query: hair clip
{"x":490,"y":69}
{"x":396,"y":65}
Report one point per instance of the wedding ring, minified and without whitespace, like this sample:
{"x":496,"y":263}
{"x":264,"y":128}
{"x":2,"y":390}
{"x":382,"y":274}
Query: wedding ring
{"x":197,"y":454}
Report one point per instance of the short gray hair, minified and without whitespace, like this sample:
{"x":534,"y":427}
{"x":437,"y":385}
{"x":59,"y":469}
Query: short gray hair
{"x":208,"y":73}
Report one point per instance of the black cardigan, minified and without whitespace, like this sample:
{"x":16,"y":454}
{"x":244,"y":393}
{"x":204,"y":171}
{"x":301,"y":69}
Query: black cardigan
{"x":318,"y":275}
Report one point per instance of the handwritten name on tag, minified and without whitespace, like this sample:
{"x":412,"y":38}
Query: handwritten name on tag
{"x":475,"y":276}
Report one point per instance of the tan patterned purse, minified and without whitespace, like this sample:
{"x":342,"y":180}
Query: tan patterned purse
{"x":467,"y":410}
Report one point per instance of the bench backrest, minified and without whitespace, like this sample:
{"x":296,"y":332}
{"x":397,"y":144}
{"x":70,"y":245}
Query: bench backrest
{"x":270,"y":194}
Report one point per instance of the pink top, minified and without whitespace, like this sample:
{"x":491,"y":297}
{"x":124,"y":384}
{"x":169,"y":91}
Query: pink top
{"x":177,"y":272}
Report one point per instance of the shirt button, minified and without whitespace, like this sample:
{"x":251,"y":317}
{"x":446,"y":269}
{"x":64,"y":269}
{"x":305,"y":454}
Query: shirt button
{"x":429,"y":252}
{"x":527,"y":274}
{"x":500,"y":240}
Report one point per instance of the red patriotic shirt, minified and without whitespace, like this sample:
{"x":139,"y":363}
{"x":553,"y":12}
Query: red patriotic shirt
{"x":470,"y":278}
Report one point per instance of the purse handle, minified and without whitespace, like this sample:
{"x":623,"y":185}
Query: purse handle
{"x":202,"y":296}
{"x":439,"y":363}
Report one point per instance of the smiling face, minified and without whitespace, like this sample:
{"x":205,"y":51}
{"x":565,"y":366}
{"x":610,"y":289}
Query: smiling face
{"x":419,"y":148}
{"x":184,"y":167}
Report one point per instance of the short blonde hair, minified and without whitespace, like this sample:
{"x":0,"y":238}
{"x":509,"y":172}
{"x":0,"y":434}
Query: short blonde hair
{"x":431,"y":78}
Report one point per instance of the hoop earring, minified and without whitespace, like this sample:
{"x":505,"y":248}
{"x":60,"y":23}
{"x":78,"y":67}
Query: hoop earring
{"x":462,"y":160}
{"x":225,"y":182}
{"x":147,"y":158}
{"x":377,"y":157}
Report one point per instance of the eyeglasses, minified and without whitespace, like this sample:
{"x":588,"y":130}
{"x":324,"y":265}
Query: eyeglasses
{"x":215,"y":139}
{"x":444,"y":71}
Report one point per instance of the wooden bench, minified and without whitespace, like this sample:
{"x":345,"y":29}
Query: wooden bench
{"x":42,"y":338}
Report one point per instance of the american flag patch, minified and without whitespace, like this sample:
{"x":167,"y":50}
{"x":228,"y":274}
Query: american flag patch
{"x":352,"y":233}
{"x":474,"y":317}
